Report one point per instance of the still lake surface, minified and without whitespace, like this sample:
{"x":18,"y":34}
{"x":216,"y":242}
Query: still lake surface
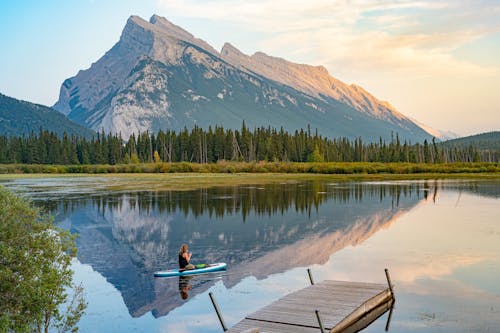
{"x":440,"y":241}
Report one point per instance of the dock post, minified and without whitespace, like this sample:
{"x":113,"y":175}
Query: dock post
{"x":224,"y":328}
{"x":310,"y":276}
{"x":321,"y":327}
{"x":389,"y":317}
{"x":389,"y":282}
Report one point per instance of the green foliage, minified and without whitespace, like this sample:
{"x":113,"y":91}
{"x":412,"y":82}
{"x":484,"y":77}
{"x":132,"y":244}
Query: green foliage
{"x":315,"y":156}
{"x":211,"y":146}
{"x":156,"y":157}
{"x":134,"y":159}
{"x":35,"y":273}
{"x":262,"y":167}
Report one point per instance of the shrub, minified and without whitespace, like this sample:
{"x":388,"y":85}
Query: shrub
{"x":35,"y":259}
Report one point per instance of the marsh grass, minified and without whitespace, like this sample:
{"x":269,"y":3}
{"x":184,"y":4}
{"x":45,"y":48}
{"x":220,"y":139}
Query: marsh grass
{"x":369,"y":168}
{"x":188,"y":176}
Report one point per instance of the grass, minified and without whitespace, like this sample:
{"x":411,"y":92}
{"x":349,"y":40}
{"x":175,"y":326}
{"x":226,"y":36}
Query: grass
{"x":370,"y":168}
{"x":190,"y":181}
{"x":187,"y":176}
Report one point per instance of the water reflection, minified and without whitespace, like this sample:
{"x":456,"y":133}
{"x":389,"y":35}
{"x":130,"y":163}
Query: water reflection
{"x":184,"y":286}
{"x":258,"y":230}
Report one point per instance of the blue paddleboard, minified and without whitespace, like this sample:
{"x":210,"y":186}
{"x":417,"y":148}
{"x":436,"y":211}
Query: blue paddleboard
{"x":207,"y":269}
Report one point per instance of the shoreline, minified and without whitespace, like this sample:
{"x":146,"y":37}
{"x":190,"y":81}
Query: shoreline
{"x":192,"y":181}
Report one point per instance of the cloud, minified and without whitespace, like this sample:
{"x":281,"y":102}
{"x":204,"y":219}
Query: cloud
{"x":422,"y":55}
{"x":415,"y":37}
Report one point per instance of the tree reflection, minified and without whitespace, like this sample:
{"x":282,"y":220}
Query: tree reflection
{"x":258,"y":230}
{"x":269,"y":199}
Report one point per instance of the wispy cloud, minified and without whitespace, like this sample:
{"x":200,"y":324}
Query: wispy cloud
{"x":417,"y":37}
{"x":424,"y":55}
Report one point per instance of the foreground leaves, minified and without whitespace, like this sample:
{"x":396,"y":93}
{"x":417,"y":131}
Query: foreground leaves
{"x":35,"y":272}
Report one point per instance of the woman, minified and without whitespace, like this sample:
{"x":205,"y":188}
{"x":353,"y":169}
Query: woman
{"x":184,"y":258}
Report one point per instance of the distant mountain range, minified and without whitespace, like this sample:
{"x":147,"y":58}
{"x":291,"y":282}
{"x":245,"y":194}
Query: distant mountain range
{"x":21,"y":118}
{"x":484,"y":141}
{"x":438,"y":134}
{"x":159,"y":76}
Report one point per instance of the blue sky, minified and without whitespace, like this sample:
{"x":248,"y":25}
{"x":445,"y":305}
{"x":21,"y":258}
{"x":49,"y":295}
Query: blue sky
{"x":437,"y":62}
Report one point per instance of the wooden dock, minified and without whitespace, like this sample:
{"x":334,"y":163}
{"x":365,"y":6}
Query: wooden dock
{"x":343,"y":306}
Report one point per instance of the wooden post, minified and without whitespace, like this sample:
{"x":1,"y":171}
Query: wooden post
{"x":310,"y":276}
{"x":389,"y":317}
{"x":321,"y":327}
{"x":224,"y":328}
{"x":389,"y":282}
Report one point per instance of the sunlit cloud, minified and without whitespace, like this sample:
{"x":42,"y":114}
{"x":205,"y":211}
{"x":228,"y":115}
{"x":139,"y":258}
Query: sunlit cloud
{"x":417,"y":37}
{"x":434,"y":268}
{"x":423,"y":55}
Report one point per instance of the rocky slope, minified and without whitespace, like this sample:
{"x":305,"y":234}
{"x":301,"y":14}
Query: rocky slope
{"x":159,"y":76}
{"x":313,"y":80}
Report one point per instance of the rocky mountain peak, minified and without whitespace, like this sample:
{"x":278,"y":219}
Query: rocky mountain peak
{"x":159,"y":25}
{"x":288,"y":70}
{"x":137,"y":32}
{"x":137,"y":20}
{"x":313,"y":80}
{"x":159,"y":76}
{"x":322,"y":69}
{"x":167,"y":39}
{"x":235,"y":57}
{"x":167,"y":27}
{"x":229,"y":49}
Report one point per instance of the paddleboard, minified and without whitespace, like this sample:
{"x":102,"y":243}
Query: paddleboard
{"x":207,"y":269}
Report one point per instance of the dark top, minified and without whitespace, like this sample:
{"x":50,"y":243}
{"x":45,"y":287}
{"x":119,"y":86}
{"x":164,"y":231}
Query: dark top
{"x":182,"y":262}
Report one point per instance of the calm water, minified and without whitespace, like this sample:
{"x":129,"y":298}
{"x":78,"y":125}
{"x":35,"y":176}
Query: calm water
{"x":439,"y":239}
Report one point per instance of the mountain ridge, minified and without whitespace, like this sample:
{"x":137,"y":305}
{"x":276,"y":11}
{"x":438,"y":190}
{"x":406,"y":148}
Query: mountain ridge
{"x":187,"y":82}
{"x":19,"y":118}
{"x":315,"y":80}
{"x":486,"y":140}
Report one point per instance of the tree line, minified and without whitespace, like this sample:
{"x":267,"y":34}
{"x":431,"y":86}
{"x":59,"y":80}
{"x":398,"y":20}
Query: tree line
{"x":198,"y":145}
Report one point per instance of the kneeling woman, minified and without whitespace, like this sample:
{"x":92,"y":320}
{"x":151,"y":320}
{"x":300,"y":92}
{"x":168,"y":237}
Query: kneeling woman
{"x":184,"y":258}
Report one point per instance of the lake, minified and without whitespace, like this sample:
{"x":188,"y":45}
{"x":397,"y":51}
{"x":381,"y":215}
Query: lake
{"x":440,"y":241}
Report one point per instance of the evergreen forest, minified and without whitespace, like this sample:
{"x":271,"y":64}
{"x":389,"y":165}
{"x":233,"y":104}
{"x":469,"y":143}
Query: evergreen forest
{"x":217,"y":144}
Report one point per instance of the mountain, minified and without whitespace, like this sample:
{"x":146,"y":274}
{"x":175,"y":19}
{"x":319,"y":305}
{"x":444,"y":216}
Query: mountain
{"x":483,"y":141}
{"x":311,"y":80}
{"x":438,"y":134}
{"x":159,"y":76}
{"x":21,"y":118}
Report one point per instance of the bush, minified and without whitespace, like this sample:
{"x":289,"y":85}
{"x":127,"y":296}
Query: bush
{"x":262,"y":167}
{"x":35,"y":259}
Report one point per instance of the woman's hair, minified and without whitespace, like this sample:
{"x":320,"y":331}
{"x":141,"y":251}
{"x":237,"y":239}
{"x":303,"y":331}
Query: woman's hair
{"x":183,"y":249}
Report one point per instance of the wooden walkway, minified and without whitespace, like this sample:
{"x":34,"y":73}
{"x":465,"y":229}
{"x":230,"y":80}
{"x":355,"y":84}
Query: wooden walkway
{"x":342,"y":306}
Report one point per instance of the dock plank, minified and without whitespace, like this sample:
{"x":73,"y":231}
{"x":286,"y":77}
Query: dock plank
{"x":247,"y":325}
{"x":340,"y":303}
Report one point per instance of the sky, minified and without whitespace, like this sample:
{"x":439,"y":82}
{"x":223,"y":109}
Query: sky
{"x":436,"y":61}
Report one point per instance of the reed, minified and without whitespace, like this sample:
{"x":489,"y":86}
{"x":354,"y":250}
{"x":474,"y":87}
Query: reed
{"x":339,"y":168}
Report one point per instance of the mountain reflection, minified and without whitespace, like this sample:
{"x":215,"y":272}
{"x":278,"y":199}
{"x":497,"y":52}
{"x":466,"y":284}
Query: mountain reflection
{"x":258,"y":230}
